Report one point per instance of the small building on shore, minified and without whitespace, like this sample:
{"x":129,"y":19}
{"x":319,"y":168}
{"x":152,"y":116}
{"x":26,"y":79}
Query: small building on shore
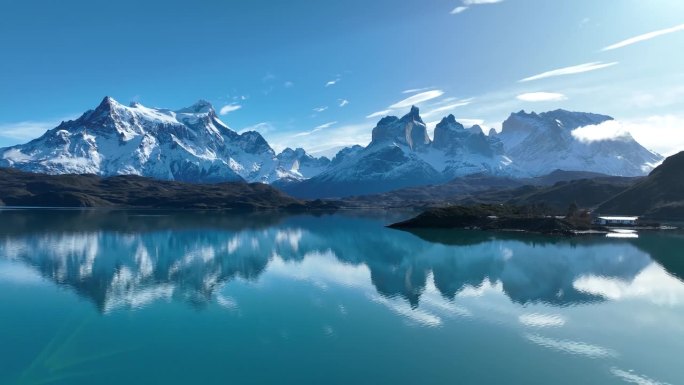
{"x":616,"y":221}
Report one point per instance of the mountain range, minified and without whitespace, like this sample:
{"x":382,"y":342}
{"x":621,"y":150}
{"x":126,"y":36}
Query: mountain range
{"x":193,"y":145}
{"x":187,"y":145}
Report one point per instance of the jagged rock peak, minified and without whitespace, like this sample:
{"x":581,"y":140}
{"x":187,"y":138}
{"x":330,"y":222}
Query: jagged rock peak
{"x":107,"y":104}
{"x":476,"y":129}
{"x":413,"y":115}
{"x":449,"y":121}
{"x":410,"y":130}
{"x":524,"y":114}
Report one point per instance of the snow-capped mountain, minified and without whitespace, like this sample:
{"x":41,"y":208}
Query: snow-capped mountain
{"x":190,"y":145}
{"x":193,"y":145}
{"x":541,"y":143}
{"x":402,"y":154}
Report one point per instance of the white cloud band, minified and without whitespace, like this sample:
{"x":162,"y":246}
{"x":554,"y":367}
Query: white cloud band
{"x":644,"y":37}
{"x":541,"y":97}
{"x":229,"y":108}
{"x":416,"y":99}
{"x":586,"y":67}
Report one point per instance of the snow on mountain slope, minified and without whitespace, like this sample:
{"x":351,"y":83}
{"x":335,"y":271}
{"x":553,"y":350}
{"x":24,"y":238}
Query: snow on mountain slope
{"x":468,"y":151}
{"x":455,"y":151}
{"x":541,"y":143}
{"x":190,"y":145}
{"x":401,"y":154}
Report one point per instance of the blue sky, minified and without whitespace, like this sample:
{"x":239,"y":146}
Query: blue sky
{"x":309,"y":73}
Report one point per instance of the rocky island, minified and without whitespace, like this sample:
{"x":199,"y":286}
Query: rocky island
{"x":503,"y":217}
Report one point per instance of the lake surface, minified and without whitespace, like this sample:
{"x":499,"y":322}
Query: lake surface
{"x":97,"y":297}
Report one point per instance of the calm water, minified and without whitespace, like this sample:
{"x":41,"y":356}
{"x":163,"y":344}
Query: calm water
{"x":204,"y":298}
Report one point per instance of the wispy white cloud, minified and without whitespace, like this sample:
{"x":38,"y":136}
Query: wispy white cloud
{"x":644,"y":37}
{"x":449,"y":100}
{"x":225,"y":110}
{"x":446,"y":108}
{"x":343,"y":102}
{"x":326,"y":125}
{"x":417,"y":99}
{"x":478,"y":2}
{"x":288,"y":84}
{"x":304,"y":133}
{"x":414,"y":90}
{"x":663,"y":134}
{"x":323,"y":142}
{"x":610,"y":130}
{"x":586,"y":67}
{"x":27,"y":130}
{"x":468,"y":122}
{"x":24,"y":130}
{"x":541,"y":97}
{"x":378,"y":114}
{"x":314,"y":130}
{"x":469,"y":3}
{"x":331,"y":83}
{"x":320,"y":109}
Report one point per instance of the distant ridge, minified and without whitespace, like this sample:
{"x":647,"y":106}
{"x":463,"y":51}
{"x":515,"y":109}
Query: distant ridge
{"x":555,"y":191}
{"x":660,"y":195}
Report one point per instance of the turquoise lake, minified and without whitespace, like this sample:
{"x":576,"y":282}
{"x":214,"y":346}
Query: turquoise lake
{"x":125,"y":297}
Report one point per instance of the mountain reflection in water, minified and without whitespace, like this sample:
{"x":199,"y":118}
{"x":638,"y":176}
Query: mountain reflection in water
{"x":123,"y":259}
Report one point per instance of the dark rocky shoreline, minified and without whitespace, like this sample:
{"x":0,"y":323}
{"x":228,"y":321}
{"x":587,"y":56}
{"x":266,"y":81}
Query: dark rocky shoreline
{"x":23,"y":189}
